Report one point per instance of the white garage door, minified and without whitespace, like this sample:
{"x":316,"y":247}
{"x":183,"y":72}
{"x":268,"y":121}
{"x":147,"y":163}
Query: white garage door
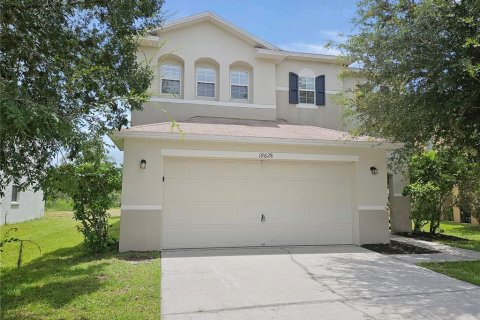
{"x":221,"y":203}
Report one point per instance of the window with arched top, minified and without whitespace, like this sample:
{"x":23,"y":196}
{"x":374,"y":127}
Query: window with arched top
{"x":171,"y":75}
{"x":171,"y":78}
{"x":239,"y":84}
{"x":206,"y":78}
{"x":240,"y":81}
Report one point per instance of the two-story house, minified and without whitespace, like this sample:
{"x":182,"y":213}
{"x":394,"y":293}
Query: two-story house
{"x":261,"y":158}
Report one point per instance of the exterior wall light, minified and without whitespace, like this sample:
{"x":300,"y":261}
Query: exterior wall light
{"x":373,"y":170}
{"x":143,"y":164}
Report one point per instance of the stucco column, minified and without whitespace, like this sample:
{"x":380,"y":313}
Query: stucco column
{"x":399,"y":205}
{"x":224,"y":81}
{"x":189,"y":81}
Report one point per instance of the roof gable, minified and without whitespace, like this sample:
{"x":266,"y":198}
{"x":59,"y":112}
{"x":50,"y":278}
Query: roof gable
{"x":218,"y":21}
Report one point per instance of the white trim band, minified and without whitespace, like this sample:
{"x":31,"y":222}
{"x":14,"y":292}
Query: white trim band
{"x":141,"y":207}
{"x":185,"y":153}
{"x":213,"y":103}
{"x":280,"y":88}
{"x":371,"y":208}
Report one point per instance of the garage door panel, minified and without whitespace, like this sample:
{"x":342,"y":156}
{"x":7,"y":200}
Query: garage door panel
{"x":220,"y":203}
{"x":274,"y":191}
{"x":249,"y":190}
{"x":250,"y":213}
{"x":225,"y":190}
{"x":299,"y":191}
{"x":201,"y":168}
{"x":176,"y":190}
{"x":237,"y":169}
{"x":177,"y":214}
{"x":201,"y":190}
{"x":339,"y":172}
{"x":177,"y":168}
{"x":338,"y":192}
{"x":273,"y":170}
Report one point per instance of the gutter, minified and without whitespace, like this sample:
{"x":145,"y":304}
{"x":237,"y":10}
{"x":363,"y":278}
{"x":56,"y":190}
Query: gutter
{"x":119,"y":136}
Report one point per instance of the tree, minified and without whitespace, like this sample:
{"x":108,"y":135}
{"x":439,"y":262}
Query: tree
{"x":92,"y":182}
{"x":68,"y":73}
{"x":420,"y":62}
{"x":469,"y":191}
{"x":433,"y":175}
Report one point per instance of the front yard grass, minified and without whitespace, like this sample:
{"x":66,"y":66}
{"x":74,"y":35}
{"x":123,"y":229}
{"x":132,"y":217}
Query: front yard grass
{"x":468,"y":271}
{"x":460,"y":235}
{"x":63,"y":281}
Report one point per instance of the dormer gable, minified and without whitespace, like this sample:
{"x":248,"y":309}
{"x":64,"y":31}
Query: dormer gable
{"x":217,"y":21}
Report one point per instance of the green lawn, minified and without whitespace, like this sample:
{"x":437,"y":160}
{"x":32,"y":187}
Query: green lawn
{"x":470,"y":233}
{"x":65,"y":282}
{"x":468,"y":271}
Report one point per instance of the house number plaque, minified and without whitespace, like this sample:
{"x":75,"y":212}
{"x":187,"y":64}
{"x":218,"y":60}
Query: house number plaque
{"x":265,"y":155}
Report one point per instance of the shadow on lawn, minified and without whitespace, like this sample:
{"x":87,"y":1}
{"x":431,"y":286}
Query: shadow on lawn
{"x":55,"y":278}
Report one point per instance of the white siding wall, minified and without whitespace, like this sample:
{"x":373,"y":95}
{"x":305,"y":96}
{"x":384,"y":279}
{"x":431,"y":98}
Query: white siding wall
{"x":30,"y":206}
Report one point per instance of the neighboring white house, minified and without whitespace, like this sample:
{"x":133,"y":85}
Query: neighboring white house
{"x":17,"y":206}
{"x":262,"y":159}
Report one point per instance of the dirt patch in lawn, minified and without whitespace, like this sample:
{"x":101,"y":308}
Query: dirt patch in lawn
{"x":137,"y":257}
{"x":396,"y":247}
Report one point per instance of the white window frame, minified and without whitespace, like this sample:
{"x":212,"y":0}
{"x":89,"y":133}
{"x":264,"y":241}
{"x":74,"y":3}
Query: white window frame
{"x":214,"y":82}
{"x":306,"y":90}
{"x":240,"y":85}
{"x":163,"y":77}
{"x":16,"y":193}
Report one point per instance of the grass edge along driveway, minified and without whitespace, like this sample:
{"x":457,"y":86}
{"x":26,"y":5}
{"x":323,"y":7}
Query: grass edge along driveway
{"x":468,"y":271}
{"x":65,"y":282}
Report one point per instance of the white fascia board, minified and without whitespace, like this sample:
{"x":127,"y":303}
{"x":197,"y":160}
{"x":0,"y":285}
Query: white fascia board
{"x":280,"y":88}
{"x":247,"y":155}
{"x":213,"y":103}
{"x":254,"y":140}
{"x":149,"y":41}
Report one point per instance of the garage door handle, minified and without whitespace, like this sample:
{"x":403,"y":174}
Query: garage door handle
{"x":263,"y":218}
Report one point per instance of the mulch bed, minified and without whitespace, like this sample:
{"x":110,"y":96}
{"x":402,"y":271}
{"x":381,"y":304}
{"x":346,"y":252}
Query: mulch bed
{"x":396,"y":247}
{"x":428,"y":237}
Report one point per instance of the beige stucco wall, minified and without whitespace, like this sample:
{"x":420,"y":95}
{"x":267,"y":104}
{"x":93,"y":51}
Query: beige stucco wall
{"x":145,"y":187}
{"x":399,"y":205}
{"x":155,"y":112}
{"x":30,"y":205}
{"x":268,"y":78}
{"x":206,"y":40}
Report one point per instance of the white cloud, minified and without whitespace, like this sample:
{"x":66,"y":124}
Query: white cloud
{"x":309,"y":48}
{"x":332,"y":35}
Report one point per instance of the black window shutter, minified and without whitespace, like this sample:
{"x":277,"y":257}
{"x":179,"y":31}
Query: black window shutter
{"x":320,"y":90}
{"x":292,"y":88}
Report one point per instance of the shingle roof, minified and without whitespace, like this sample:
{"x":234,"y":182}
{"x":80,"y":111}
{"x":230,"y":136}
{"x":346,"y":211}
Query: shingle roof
{"x":249,"y":128}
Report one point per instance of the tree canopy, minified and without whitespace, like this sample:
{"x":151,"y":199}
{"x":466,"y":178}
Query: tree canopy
{"x":68,"y":74}
{"x":420,"y":65}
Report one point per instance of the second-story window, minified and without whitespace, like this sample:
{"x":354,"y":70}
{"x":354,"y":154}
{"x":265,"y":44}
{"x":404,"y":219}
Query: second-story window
{"x":206,"y":78}
{"x":239,"y":84}
{"x":171,"y":78}
{"x":306,"y":90}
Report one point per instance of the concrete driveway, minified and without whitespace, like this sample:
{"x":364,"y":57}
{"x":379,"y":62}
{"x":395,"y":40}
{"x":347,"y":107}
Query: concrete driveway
{"x":327,"y":282}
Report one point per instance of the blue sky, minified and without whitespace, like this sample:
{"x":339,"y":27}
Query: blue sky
{"x":301,"y":25}
{"x":291,"y":25}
